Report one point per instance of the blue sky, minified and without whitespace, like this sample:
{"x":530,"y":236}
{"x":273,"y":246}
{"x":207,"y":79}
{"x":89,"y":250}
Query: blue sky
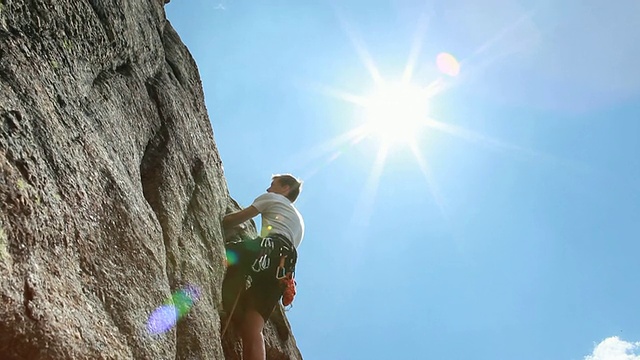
{"x":512,"y":231}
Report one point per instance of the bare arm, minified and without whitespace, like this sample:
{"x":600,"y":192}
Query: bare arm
{"x":238,"y":217}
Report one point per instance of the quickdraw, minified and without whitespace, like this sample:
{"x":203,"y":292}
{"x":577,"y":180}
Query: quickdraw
{"x":289,"y":293}
{"x":263,"y":261}
{"x":287,"y":282}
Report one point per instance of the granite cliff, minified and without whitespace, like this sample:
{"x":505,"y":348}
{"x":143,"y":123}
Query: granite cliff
{"x":112,"y":187}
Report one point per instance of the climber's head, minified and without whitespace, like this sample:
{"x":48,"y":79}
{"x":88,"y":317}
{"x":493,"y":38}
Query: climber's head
{"x":287,"y":185}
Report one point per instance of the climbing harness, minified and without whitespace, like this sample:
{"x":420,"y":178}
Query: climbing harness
{"x":257,"y":258}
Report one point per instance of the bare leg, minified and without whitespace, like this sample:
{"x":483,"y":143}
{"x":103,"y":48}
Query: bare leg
{"x":252,"y":339}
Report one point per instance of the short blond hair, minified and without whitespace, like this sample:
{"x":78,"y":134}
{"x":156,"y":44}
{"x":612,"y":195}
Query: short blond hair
{"x":294,"y":184}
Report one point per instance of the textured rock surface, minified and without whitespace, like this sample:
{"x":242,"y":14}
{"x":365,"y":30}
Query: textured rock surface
{"x":112,"y":188}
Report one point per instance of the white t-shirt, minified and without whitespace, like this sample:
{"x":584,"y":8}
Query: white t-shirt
{"x":279,"y":216}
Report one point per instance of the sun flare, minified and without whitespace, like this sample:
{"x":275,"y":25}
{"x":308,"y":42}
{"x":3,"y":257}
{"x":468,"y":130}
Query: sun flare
{"x":395,"y":113}
{"x":398,"y":115}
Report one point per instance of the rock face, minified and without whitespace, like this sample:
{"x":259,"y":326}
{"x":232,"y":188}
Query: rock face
{"x":112,"y":187}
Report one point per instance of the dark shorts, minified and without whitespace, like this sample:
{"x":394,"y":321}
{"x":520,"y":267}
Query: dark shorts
{"x":263,"y":295}
{"x":265,"y":291}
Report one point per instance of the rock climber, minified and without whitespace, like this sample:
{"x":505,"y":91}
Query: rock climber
{"x":268,"y":260}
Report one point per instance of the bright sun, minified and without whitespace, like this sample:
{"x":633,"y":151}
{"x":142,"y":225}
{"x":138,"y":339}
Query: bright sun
{"x":395,"y":113}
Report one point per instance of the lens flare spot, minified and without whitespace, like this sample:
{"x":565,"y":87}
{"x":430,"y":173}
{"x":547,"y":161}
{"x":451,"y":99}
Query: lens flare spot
{"x":193,"y":292}
{"x":162,"y":319}
{"x":232,"y":257}
{"x":269,"y":227}
{"x":182,"y":302}
{"x":167,"y":315}
{"x":447,"y":64}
